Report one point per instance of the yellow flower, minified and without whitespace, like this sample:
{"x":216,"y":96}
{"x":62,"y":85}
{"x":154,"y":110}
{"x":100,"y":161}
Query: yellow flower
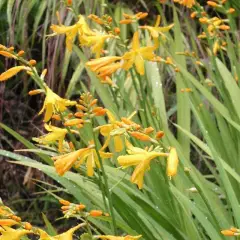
{"x":95,"y":42}
{"x":64,"y":162}
{"x":12,"y":72}
{"x":12,"y":234}
{"x":68,"y":235}
{"x":80,"y":28}
{"x":56,"y":134}
{"x":137,"y":55}
{"x":141,"y":159}
{"x":53,"y":103}
{"x":128,"y":237}
{"x":96,"y":64}
{"x":156,"y":30}
{"x":106,"y":129}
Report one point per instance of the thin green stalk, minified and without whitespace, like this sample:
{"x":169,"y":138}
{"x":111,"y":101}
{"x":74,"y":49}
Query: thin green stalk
{"x":110,"y":202}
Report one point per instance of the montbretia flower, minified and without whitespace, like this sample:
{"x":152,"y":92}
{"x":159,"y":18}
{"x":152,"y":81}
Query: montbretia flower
{"x":53,"y":104}
{"x":141,"y":159}
{"x":64,"y":162}
{"x":156,"y":30}
{"x":55,"y":134}
{"x":137,"y":55}
{"x":106,"y":130}
{"x":81,"y":28}
{"x":109,"y":237}
{"x":95,"y":42}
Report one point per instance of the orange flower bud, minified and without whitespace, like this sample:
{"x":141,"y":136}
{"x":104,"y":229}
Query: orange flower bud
{"x":16,"y":218}
{"x":65,"y":208}
{"x":227,"y":233}
{"x":81,"y":107}
{"x":193,"y":15}
{"x":212,"y":4}
{"x":96,"y":109}
{"x":148,"y":130}
{"x":73,"y":122}
{"x":20,"y":53}
{"x":32,"y":62}
{"x":203,"y":20}
{"x":70,"y":144}
{"x":126,"y":21}
{"x":117,"y":30}
{"x":127,"y":16}
{"x":79,"y":114}
{"x":28,"y":226}
{"x":35,"y":92}
{"x":143,"y":15}
{"x":11,"y":49}
{"x":231,"y":10}
{"x":169,"y":61}
{"x":56,"y":117}
{"x":126,"y":121}
{"x":70,"y":115}
{"x":94,"y":102}
{"x":159,"y":135}
{"x":224,"y":27}
{"x":96,"y":213}
{"x":80,"y":207}
{"x":140,"y":136}
{"x":64,"y":202}
{"x":101,"y":112}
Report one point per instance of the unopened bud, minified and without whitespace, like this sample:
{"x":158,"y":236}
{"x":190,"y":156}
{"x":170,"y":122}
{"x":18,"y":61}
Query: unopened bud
{"x":20,"y":53}
{"x":96,"y":213}
{"x":28,"y":226}
{"x":32,"y":62}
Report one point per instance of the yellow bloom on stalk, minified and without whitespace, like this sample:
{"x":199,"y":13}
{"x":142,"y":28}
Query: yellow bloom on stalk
{"x":71,"y":32}
{"x":156,"y":30}
{"x":53,"y":103}
{"x":106,"y":130}
{"x":9,"y":233}
{"x":141,"y":159}
{"x":95,"y":42}
{"x":64,"y":162}
{"x":104,"y":67}
{"x":12,"y":72}
{"x":128,"y":237}
{"x":56,"y":134}
{"x":68,"y":235}
{"x":137,"y":55}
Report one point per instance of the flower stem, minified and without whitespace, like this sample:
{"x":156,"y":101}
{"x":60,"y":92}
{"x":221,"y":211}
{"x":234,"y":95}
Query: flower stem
{"x":110,"y":203}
